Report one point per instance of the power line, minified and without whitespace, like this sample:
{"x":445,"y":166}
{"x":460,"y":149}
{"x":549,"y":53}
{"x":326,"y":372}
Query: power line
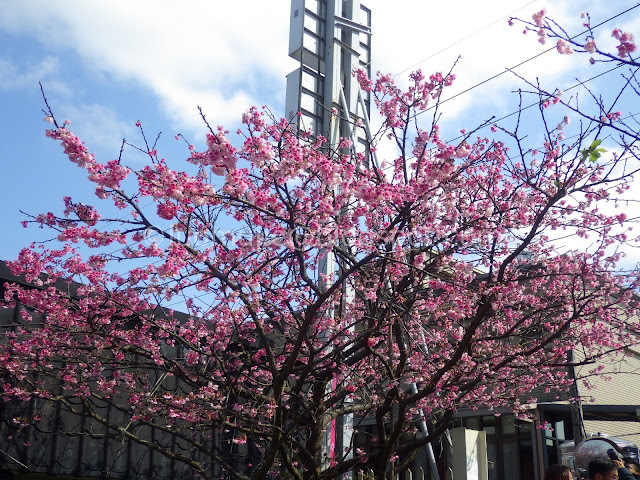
{"x":525,"y":61}
{"x":465,"y":38}
{"x":538,"y":103}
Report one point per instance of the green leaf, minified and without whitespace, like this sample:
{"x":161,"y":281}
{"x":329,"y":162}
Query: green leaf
{"x":593,"y":152}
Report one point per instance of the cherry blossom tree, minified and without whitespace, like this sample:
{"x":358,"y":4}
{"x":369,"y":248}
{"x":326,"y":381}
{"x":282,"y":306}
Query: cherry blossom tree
{"x":449,"y":289}
{"x":588,"y":42}
{"x":548,"y":29}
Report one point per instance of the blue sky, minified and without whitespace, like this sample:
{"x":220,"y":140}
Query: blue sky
{"x":106,"y":64}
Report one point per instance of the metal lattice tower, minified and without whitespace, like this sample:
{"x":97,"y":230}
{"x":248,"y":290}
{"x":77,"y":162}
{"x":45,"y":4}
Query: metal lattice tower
{"x":330,"y":39}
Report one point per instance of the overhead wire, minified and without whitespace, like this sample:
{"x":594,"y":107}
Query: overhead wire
{"x":465,"y":38}
{"x":507,"y":70}
{"x":581,"y":83}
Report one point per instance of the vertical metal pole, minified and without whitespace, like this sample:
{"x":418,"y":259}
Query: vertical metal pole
{"x":339,"y":93}
{"x":332,"y":75}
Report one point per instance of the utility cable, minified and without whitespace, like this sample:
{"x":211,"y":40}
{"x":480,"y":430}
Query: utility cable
{"x":465,"y":38}
{"x":525,"y":61}
{"x":538,"y":103}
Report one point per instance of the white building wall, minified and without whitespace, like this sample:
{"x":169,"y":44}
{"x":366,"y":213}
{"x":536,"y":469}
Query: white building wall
{"x":619,"y":384}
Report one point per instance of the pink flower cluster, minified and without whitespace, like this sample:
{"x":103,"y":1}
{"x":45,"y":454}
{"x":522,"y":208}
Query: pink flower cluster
{"x":395,"y":105}
{"x":563,"y":47}
{"x":548,"y":29}
{"x":590,"y":45}
{"x":627,"y":42}
{"x":109,"y":176}
{"x":538,"y":17}
{"x":220,"y":156}
{"x":538,"y":20}
{"x":85,"y":213}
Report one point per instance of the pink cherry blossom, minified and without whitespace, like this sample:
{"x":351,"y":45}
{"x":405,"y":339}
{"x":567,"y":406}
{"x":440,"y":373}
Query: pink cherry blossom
{"x":538,"y":17}
{"x":201,"y":311}
{"x":563,"y":47}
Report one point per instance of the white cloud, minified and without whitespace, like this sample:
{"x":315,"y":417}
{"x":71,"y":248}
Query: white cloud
{"x":227,"y":56}
{"x":14,"y":76}
{"x":99,"y":127}
{"x":179,"y":52}
{"x":220,"y":107}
